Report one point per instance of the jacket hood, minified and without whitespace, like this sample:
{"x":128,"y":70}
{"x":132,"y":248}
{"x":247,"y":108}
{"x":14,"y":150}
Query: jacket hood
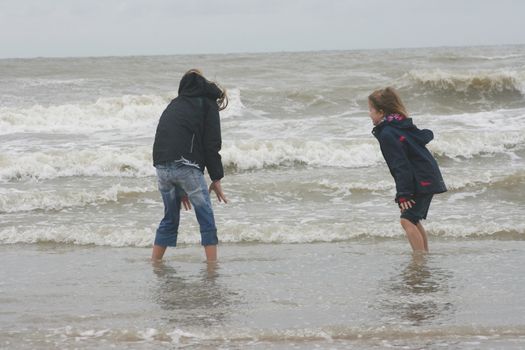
{"x":422,"y":137}
{"x":195,"y":85}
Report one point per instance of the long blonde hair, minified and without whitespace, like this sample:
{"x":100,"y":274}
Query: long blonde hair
{"x":223,"y":100}
{"x":388,"y":101}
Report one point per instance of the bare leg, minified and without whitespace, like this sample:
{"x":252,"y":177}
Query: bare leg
{"x":158,"y":252}
{"x":211,"y":269}
{"x":418,"y":258}
{"x":211,"y":252}
{"x":414,"y":236}
{"x":423,"y":234}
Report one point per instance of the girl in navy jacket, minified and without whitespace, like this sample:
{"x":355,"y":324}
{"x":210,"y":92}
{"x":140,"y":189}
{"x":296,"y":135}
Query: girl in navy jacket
{"x":414,"y":169}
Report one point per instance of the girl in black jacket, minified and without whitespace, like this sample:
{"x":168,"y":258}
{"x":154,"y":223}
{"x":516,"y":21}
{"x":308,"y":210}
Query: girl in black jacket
{"x":414,"y":169}
{"x":188,"y":140}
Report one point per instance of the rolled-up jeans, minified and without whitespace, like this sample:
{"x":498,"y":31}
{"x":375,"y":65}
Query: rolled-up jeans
{"x":175,"y":180}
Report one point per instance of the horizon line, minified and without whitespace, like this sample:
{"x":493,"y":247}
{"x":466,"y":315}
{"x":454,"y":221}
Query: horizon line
{"x":258,"y":52}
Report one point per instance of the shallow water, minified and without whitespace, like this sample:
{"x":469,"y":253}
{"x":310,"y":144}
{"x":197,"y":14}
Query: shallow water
{"x":363,"y":295}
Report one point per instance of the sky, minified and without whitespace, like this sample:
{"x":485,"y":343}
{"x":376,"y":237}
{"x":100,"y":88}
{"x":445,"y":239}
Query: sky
{"x":73,"y":28}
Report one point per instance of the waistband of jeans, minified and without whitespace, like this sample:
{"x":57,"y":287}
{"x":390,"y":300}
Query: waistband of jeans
{"x":178,"y":162}
{"x":167,"y":162}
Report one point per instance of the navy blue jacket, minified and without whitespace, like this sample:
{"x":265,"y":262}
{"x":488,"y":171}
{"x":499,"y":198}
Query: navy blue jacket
{"x":414,"y":169}
{"x":190,"y":128}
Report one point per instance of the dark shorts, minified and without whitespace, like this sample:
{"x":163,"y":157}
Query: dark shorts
{"x":420,"y":210}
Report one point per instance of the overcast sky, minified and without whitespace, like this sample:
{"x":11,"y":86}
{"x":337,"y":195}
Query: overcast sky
{"x":31,"y":28}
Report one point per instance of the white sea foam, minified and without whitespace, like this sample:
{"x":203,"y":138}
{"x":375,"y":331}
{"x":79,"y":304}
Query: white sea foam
{"x":13,"y":200}
{"x":483,"y":178}
{"x":235,"y":232}
{"x":467,"y":144}
{"x":16,"y":200}
{"x":80,"y":235}
{"x":497,"y":57}
{"x":261,"y":154}
{"x":102,"y":161}
{"x":107,"y":161}
{"x":122,"y":113}
{"x":470,"y":134}
{"x":137,"y":161}
{"x":349,"y":185}
{"x":455,"y":181}
{"x":106,"y":113}
{"x":246,"y":337}
{"x":235,"y":106}
{"x":42,"y":82}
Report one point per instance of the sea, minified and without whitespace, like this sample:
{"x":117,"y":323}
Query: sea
{"x":311,"y":252}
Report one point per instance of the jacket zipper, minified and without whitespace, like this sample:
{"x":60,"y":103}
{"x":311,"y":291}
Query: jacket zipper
{"x":192,"y":138}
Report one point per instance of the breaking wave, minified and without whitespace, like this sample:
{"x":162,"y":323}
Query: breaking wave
{"x":123,"y":113}
{"x":472,"y":84}
{"x":238,"y":156}
{"x":13,"y":201}
{"x":235,"y":232}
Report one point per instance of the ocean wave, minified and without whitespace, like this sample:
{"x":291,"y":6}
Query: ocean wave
{"x":467,"y":144}
{"x":137,"y":161}
{"x":263,"y":154}
{"x":13,"y":201}
{"x":485,"y":179}
{"x":235,"y":108}
{"x":104,"y":161}
{"x":238,"y":156}
{"x":497,"y":57}
{"x":476,"y":84}
{"x":134,"y":112}
{"x":455,"y":182}
{"x":234,"y":232}
{"x":42,"y":82}
{"x":105,"y":114}
{"x":354,"y":186}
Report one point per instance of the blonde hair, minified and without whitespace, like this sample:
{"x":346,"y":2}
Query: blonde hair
{"x":223,"y":100}
{"x":388,"y":101}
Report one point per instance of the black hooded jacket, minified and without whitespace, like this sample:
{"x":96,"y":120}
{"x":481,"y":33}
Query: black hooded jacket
{"x":190,"y":128}
{"x":413,"y":167}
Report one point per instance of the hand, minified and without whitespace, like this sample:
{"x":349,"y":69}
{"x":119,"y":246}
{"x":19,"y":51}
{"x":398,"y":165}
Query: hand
{"x":217,"y":188}
{"x":186,"y":202}
{"x":406,"y":205}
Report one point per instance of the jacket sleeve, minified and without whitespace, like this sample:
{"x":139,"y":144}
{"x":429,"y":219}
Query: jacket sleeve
{"x":400,"y":168}
{"x":212,"y":143}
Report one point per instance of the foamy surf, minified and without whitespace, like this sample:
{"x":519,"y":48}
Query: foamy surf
{"x":127,"y":113}
{"x":128,"y":235}
{"x":332,"y":336}
{"x":15,"y":201}
{"x":125,"y":161}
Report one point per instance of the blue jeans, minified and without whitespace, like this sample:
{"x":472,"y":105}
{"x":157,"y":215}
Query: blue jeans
{"x":176,"y":180}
